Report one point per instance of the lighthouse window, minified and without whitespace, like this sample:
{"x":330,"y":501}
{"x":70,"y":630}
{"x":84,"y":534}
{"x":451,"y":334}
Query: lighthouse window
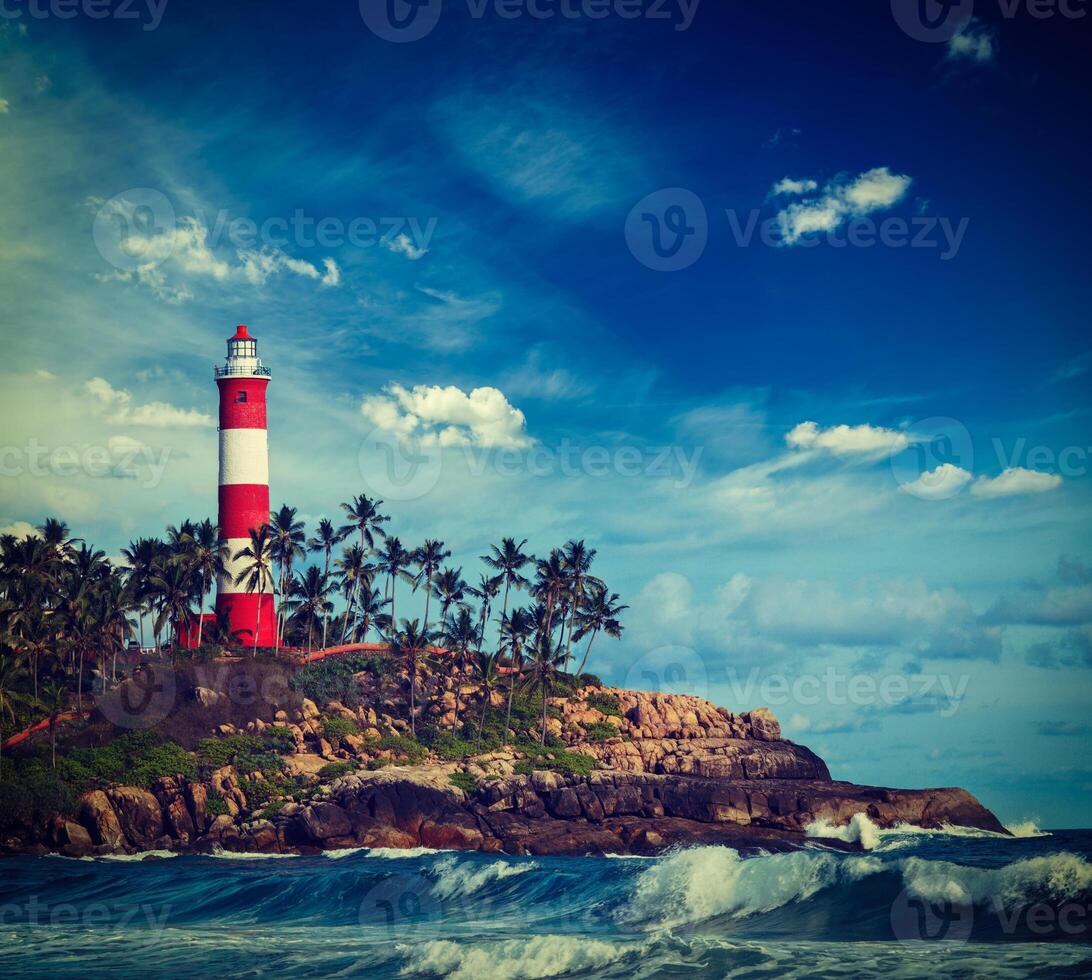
{"x":241,"y":396}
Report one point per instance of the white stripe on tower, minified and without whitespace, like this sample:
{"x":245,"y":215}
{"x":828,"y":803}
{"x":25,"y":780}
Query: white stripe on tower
{"x":244,"y":457}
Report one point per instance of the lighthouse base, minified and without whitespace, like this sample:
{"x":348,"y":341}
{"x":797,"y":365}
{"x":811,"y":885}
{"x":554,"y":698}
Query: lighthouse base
{"x":247,"y":612}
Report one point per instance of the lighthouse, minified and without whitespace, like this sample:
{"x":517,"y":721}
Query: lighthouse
{"x":244,"y":484}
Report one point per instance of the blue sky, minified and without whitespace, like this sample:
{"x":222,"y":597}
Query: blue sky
{"x":502,"y":324}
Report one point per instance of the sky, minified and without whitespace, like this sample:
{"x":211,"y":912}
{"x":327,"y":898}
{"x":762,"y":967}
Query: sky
{"x":783,"y":311}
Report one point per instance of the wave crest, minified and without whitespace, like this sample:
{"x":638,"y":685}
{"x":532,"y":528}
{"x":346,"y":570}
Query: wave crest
{"x":514,"y":959}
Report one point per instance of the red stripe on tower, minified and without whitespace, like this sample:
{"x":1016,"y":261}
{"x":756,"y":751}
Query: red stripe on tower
{"x":244,"y":485}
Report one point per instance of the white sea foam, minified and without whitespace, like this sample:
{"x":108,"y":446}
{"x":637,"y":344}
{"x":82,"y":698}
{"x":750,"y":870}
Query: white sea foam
{"x":394,"y":853}
{"x":240,"y":856}
{"x":1055,"y":877}
{"x":140,"y":856}
{"x":457,"y":877}
{"x":859,"y":830}
{"x":514,"y":959}
{"x":703,"y":882}
{"x":1026,"y":828}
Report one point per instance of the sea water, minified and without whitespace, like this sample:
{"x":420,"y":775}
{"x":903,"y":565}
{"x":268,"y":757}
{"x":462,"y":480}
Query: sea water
{"x":953,"y":904}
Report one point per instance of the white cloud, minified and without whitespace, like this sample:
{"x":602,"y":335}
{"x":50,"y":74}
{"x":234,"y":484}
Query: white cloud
{"x":787,"y":185}
{"x":1014,"y":481}
{"x":118,"y":404}
{"x":449,"y":416}
{"x":332,"y":275}
{"x":401,"y":245}
{"x":839,"y":201}
{"x":847,"y":440}
{"x":44,"y":376}
{"x":939,"y":484}
{"x":5,"y":106}
{"x":21,"y":529}
{"x":974,"y":41}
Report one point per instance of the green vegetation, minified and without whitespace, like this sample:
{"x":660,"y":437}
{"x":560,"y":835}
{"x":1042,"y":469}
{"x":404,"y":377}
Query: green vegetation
{"x":270,"y":811}
{"x":465,"y":781}
{"x":280,"y":739}
{"x":335,"y":727}
{"x":215,"y":806}
{"x":405,"y":748}
{"x":334,"y":770}
{"x":601,"y":731}
{"x":259,"y":792}
{"x":247,"y":753}
{"x":332,"y":680}
{"x":554,"y":759}
{"x":447,"y":745}
{"x":606,"y":703}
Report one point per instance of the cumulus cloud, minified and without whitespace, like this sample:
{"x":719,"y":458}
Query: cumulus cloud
{"x":847,"y":440}
{"x":939,"y":484}
{"x":401,"y":245}
{"x":118,"y":405}
{"x":1065,"y":599}
{"x":839,"y":201}
{"x":1072,"y":649}
{"x":974,"y":42}
{"x":449,"y":416}
{"x":20,"y":529}
{"x":1014,"y":481}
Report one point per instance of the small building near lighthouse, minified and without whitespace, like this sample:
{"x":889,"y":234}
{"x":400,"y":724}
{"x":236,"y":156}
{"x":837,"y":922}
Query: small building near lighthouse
{"x":244,"y":486}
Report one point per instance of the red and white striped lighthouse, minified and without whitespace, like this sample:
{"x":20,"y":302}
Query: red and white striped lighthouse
{"x":244,"y":483}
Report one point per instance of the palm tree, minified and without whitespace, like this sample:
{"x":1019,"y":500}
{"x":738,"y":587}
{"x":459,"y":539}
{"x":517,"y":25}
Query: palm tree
{"x":54,"y":701}
{"x":393,"y":560}
{"x":551,"y":580}
{"x":37,"y":634}
{"x":369,"y":612}
{"x":289,"y":536}
{"x":578,"y":558}
{"x":412,"y":643}
{"x":459,"y":633}
{"x":428,"y":558}
{"x":310,"y":592}
{"x":354,"y":570}
{"x":115,"y":603}
{"x":207,"y":556}
{"x":173,"y":587}
{"x":257,"y":573}
{"x":140,"y":556}
{"x":486,"y":591}
{"x":450,"y":589}
{"x":324,"y":540}
{"x":543,"y":668}
{"x":509,"y":560}
{"x":598,"y":615}
{"x":486,"y":665}
{"x":10,"y":673}
{"x":364,"y":517}
{"x":515,"y":629}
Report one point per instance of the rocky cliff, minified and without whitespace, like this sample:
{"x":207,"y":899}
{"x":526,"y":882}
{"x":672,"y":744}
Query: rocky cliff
{"x":672,"y":770}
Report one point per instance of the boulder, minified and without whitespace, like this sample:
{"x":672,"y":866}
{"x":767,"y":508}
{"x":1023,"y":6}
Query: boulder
{"x":207,"y":697}
{"x":197,"y":799}
{"x":72,"y":838}
{"x":139,"y":815}
{"x":324,"y":820}
{"x":98,"y":816}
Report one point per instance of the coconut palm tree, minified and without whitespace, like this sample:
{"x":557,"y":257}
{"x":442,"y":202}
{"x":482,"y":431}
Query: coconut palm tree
{"x":488,"y":676}
{"x":369,"y":615}
{"x":543,"y":667}
{"x":310,"y":597}
{"x":551,"y":581}
{"x":459,"y":633}
{"x":289,"y":536}
{"x":10,"y":673}
{"x":115,"y":603}
{"x":173,"y":587}
{"x":577,"y":558}
{"x":140,"y":557}
{"x":412,"y":644}
{"x":326,"y":537}
{"x":515,"y":630}
{"x":599,"y":614}
{"x":450,"y":589}
{"x":485,"y":592}
{"x":508,"y":561}
{"x":54,"y":701}
{"x":363,"y":516}
{"x":394,"y":559}
{"x":206,"y":556}
{"x":354,"y":571}
{"x":257,"y":572}
{"x":428,"y":559}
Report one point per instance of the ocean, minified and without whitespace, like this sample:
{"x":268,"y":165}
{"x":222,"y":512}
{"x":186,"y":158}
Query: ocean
{"x":962,"y":904}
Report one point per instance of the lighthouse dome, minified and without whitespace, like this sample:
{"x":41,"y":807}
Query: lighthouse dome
{"x":242,"y":356}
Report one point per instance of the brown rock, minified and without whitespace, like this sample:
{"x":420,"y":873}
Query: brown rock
{"x":178,"y":820}
{"x":138,"y":814}
{"x":324,"y":820}
{"x":99,"y":818}
{"x":196,"y":799}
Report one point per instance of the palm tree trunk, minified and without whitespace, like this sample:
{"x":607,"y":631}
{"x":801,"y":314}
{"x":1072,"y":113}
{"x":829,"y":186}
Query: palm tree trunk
{"x":79,"y":685}
{"x":481,"y":721}
{"x":428,"y":595}
{"x":201,"y":611}
{"x":584,"y":662}
{"x":511,"y":689}
{"x":325,"y":612}
{"x":257,"y":626}
{"x":53,"y":742}
{"x":543,"y":710}
{"x":413,"y":701}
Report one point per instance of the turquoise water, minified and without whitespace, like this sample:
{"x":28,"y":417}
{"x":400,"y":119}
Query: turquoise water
{"x":1003,"y":907}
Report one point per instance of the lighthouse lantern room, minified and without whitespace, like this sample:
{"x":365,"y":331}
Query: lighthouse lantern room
{"x":244,"y":486}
